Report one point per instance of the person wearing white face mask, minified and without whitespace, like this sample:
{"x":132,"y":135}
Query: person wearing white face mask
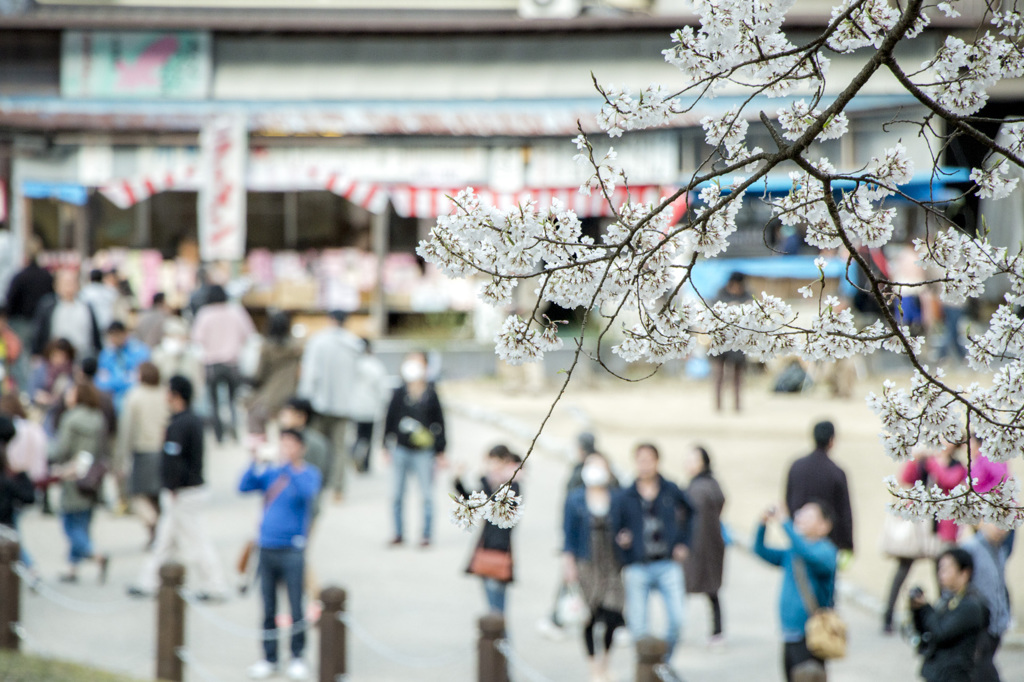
{"x":414,"y":440}
{"x":176,"y":356}
{"x":590,"y":558}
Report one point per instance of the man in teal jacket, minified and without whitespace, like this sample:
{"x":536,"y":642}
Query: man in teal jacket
{"x":808,"y":532}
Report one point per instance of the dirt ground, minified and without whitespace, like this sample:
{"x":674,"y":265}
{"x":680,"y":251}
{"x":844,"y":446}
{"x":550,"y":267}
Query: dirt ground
{"x":751,"y":450}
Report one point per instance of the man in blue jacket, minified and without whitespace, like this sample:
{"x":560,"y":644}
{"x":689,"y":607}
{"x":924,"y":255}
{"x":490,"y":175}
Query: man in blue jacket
{"x":289,"y":491}
{"x":808,"y":533}
{"x":119,"y":363}
{"x":652,"y":521}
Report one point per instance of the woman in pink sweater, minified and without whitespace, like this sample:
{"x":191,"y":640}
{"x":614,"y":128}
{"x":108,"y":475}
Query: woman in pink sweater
{"x":941,"y":469}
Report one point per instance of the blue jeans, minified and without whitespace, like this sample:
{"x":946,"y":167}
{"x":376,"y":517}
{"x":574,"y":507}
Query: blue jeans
{"x":951,"y":343}
{"x":640,"y":579}
{"x":26,"y":558}
{"x":420,"y":463}
{"x":217,"y":375}
{"x":495,"y":591}
{"x":76,"y":527}
{"x":287,"y":566}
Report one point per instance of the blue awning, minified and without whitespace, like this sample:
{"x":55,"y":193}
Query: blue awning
{"x":924,"y":186}
{"x":67,"y":192}
{"x":708,"y":276}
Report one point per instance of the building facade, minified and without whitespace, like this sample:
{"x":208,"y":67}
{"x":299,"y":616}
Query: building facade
{"x":321,"y":143}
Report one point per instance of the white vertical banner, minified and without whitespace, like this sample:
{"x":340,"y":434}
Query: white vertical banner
{"x":223,"y":150}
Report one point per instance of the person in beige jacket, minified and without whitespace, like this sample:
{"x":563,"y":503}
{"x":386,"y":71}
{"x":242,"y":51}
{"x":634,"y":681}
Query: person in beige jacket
{"x":141,"y":428}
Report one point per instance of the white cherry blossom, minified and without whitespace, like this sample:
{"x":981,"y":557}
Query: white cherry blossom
{"x":633,"y":278}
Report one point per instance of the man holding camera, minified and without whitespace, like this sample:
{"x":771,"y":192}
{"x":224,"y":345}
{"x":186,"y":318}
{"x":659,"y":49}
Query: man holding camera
{"x":811,"y":558}
{"x":949,"y":630}
{"x":289,"y":491}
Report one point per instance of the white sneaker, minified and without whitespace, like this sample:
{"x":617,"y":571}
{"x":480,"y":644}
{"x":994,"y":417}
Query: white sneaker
{"x":261,"y":670}
{"x":298,"y":670}
{"x":547,"y":628}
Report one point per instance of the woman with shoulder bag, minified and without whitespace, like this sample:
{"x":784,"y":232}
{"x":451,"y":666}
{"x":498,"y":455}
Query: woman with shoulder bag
{"x":590,"y":558}
{"x":492,"y":557}
{"x":79,"y":453}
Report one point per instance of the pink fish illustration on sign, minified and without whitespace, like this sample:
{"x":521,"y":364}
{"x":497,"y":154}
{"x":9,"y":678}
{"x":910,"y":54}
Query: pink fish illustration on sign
{"x":145,"y":70}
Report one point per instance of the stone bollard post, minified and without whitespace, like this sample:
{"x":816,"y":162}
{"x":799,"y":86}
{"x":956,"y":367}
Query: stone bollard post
{"x":10,"y":594}
{"x":170,"y":623}
{"x":333,"y":648}
{"x":491,"y":663}
{"x":650,"y":653}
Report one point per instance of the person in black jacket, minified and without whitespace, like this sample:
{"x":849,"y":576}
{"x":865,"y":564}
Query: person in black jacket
{"x":652,"y":522}
{"x":64,"y":314}
{"x":817,"y":477}
{"x":414,"y":439}
{"x":950,"y":629}
{"x":501,"y":464}
{"x":28,"y":287}
{"x":182,"y":497}
{"x":16,"y":488}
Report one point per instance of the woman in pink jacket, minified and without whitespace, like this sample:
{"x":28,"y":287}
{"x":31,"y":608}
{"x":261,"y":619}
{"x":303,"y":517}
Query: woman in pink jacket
{"x":941,"y":469}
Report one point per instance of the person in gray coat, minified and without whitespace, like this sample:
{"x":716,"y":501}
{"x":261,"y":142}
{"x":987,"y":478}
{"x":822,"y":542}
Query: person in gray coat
{"x":81,"y":441}
{"x":328,"y":369}
{"x":986,"y":548}
{"x":706,"y":562}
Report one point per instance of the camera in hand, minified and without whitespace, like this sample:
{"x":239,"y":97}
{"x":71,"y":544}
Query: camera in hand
{"x":916,"y":594}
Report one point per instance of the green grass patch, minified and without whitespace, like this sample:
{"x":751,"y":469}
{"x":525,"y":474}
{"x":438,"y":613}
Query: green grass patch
{"x":15,"y":667}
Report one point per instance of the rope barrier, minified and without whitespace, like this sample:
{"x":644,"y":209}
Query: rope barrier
{"x":8,"y":533}
{"x":195,"y":666}
{"x":91,"y":608}
{"x":517,"y":662}
{"x":665,"y":673}
{"x":403,"y":659}
{"x":240,"y":631}
{"x":32,"y":642}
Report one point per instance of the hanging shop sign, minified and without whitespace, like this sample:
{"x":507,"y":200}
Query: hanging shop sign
{"x":224,"y":146}
{"x":137,"y":64}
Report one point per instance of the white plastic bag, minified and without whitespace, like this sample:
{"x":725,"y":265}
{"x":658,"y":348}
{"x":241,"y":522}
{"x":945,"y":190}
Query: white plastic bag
{"x":571,"y":609}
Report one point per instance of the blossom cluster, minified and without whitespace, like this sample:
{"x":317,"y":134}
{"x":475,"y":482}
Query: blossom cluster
{"x":622,"y":111}
{"x":962,"y":73}
{"x":727,"y":133}
{"x":962,"y":504}
{"x":799,"y":116}
{"x":503,"y":509}
{"x":967,"y":262}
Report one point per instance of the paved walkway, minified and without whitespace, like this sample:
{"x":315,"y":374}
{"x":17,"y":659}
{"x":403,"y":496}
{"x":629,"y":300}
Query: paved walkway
{"x":415,"y":610}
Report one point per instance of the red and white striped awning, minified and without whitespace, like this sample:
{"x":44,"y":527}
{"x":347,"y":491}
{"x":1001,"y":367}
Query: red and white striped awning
{"x":128,"y":192}
{"x":430,"y":202}
{"x":409,"y":201}
{"x":371,"y":196}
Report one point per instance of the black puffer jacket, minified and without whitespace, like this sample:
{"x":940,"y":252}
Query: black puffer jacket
{"x":15,"y":490}
{"x":949,"y":636}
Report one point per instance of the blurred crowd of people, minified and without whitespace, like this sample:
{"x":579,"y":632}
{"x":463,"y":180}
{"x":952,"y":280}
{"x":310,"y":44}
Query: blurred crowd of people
{"x":101,"y":404}
{"x":623,"y":542}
